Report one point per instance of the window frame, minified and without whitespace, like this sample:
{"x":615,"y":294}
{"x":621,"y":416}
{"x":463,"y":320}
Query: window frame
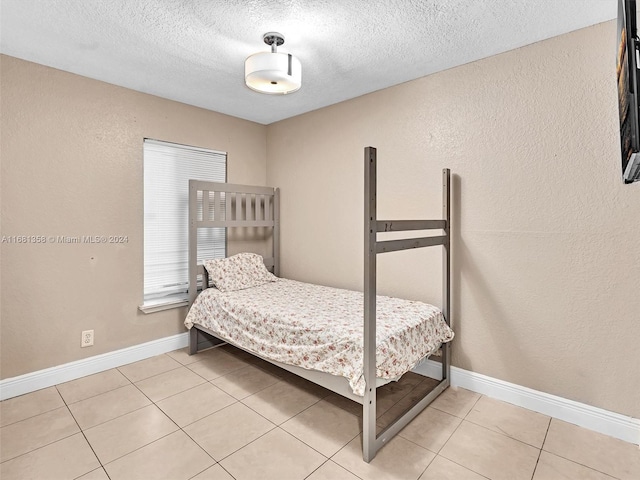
{"x":158,"y":301}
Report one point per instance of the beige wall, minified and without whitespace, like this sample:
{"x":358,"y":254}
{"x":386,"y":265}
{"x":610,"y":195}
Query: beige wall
{"x":72,"y":165}
{"x":546,"y":267}
{"x":546,"y":258}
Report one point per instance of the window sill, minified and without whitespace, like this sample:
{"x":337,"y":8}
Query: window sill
{"x":153,"y":307}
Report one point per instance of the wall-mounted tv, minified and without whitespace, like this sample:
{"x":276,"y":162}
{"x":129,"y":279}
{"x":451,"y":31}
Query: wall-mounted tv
{"x":627,"y":72}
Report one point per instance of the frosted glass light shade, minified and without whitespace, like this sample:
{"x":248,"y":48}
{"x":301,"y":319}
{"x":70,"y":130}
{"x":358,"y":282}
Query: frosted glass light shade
{"x":273,"y":73}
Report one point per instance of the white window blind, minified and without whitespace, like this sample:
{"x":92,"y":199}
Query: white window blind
{"x":168,"y":167}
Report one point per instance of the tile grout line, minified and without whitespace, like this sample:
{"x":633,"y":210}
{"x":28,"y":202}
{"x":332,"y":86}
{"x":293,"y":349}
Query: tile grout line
{"x":35,"y":415}
{"x":463,"y":419}
{"x":46,"y":444}
{"x":83,"y":435}
{"x":315,"y":470}
{"x":150,"y":376}
{"x":81,"y":430}
{"x":90,"y":396}
{"x":213,"y":413}
{"x":430,"y":462}
{"x":64,"y":405}
{"x":466,"y":414}
{"x":329,"y":460}
{"x":278,"y":426}
{"x":540,"y":452}
{"x":120,"y":416}
{"x":574,"y":461}
{"x":504,"y":434}
{"x":501,"y":432}
{"x":236,"y":450}
{"x":157,"y":439}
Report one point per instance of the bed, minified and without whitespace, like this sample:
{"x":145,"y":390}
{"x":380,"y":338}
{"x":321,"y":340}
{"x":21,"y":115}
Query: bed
{"x":349,"y":342}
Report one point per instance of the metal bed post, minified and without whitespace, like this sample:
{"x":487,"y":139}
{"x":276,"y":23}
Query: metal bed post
{"x":276,"y":232}
{"x":370,"y":233}
{"x":193,"y":258}
{"x":371,"y":442}
{"x":446,"y":268}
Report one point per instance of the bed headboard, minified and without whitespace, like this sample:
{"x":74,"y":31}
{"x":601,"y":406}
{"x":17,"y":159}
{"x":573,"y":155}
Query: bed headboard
{"x":225,"y":205}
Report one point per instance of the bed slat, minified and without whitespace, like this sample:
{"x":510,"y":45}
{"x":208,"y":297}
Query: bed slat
{"x":205,"y":205}
{"x":227,"y":207}
{"x":267,"y":208}
{"x":405,"y":244}
{"x":403,"y":225}
{"x":217,"y":214}
{"x":250,"y":210}
{"x":259,"y":211}
{"x":229,"y":187}
{"x":235,"y":223}
{"x":238,"y":207}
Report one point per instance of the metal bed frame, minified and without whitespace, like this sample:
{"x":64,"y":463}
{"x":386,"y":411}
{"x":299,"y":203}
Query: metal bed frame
{"x":249,"y":206}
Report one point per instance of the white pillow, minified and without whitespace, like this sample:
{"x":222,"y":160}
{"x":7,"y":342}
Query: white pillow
{"x":244,"y":270}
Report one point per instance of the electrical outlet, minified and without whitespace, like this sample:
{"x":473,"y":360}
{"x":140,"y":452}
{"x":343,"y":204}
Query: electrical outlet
{"x":87,"y":338}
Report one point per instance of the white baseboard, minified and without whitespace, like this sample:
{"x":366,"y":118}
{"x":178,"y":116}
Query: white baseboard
{"x":603,"y":421}
{"x":30,"y":382}
{"x":593,"y":418}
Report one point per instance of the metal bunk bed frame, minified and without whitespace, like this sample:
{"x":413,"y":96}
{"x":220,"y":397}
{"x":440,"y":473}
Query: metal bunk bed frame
{"x":252,"y":208}
{"x":371,"y":442}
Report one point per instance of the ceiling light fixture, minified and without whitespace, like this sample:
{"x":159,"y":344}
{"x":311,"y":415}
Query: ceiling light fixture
{"x":272,"y":72}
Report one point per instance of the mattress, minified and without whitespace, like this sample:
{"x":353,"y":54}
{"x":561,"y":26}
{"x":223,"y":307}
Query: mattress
{"x":321,"y":328}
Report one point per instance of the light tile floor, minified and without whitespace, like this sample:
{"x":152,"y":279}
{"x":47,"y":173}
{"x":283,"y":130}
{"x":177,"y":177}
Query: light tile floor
{"x":223,"y":415}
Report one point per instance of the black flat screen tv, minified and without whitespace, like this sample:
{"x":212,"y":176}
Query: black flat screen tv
{"x":627,"y":76}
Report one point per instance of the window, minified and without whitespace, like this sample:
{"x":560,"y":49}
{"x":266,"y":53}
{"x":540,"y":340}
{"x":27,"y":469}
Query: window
{"x":168,"y":167}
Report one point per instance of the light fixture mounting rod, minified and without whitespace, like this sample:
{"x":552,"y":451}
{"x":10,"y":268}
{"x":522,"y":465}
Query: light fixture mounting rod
{"x":274,"y":39}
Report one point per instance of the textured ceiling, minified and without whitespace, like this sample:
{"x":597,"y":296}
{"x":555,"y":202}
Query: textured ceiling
{"x":193,"y":51}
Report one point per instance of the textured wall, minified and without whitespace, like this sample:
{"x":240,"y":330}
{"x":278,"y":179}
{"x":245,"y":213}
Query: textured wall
{"x":545,"y":268}
{"x":72,"y":165}
{"x":546,"y":263}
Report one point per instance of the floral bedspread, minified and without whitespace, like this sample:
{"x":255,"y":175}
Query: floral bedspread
{"x":321,"y":328}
